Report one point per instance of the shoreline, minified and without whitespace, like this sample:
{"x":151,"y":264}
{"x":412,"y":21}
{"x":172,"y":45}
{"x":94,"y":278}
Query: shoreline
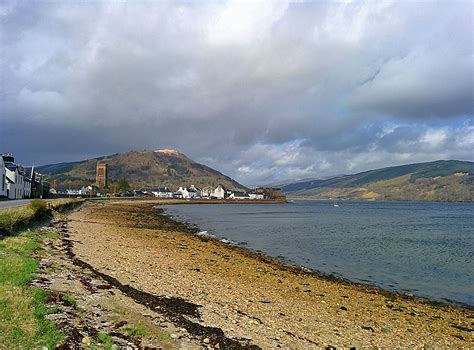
{"x":249,"y":294}
{"x":296,"y":268}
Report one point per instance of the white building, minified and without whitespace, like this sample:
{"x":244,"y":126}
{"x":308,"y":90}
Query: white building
{"x":14,"y":181}
{"x":194,"y":192}
{"x":254,"y":195}
{"x":162,"y":192}
{"x":206,"y":192}
{"x":3,"y":179}
{"x":239,"y":195}
{"x":183,"y":191}
{"x":218,"y":192}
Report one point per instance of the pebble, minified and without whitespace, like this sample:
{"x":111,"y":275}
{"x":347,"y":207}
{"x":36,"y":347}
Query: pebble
{"x":86,"y":340}
{"x":206,"y":340}
{"x":174,"y":336}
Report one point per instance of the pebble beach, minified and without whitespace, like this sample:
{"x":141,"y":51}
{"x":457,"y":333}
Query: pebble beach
{"x":250,"y":297}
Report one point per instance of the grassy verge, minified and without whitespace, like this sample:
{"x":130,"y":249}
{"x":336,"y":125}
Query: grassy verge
{"x":22,"y":308}
{"x":15,"y":219}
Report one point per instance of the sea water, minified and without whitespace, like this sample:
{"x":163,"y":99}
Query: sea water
{"x":423,"y":248}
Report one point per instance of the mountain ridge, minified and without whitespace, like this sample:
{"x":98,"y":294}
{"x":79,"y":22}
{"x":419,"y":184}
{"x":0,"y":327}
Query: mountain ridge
{"x":441,"y":180}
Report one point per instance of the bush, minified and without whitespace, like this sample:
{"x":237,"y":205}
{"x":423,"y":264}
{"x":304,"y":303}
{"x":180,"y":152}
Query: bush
{"x":38,"y":206}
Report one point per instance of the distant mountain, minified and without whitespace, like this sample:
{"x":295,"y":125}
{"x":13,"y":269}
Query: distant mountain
{"x":442,"y":180}
{"x":141,"y":169}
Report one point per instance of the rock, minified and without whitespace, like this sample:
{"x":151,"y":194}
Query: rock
{"x":206,"y":340}
{"x":368,"y":328}
{"x":86,"y":341}
{"x":174,"y":336}
{"x":114,"y":347}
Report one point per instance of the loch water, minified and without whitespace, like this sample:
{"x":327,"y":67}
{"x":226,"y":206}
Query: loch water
{"x":423,"y":248}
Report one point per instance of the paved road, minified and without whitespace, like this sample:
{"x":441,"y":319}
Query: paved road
{"x":14,"y":204}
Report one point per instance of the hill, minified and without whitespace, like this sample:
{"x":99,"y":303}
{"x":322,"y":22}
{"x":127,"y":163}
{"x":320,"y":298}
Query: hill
{"x":442,"y":180}
{"x":141,"y":169}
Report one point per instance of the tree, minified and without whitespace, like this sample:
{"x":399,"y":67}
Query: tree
{"x":123,"y":185}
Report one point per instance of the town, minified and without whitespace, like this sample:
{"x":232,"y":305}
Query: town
{"x":20,"y":182}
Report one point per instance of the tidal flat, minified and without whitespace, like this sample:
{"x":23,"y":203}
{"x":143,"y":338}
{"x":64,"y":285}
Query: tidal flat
{"x":247,"y":297}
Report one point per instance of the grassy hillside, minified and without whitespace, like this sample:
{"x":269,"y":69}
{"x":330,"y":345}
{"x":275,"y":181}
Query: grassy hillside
{"x":434,"y":181}
{"x":142,"y":168}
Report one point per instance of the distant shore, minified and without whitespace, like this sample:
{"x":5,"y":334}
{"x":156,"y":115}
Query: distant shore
{"x":249,"y":295}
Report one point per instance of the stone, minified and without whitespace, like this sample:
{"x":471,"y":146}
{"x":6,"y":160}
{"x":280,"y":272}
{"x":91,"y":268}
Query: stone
{"x":86,"y":341}
{"x":174,"y":336}
{"x":206,"y":340}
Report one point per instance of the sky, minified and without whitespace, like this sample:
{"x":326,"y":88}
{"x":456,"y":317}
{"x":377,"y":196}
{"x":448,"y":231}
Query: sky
{"x":261,"y":90}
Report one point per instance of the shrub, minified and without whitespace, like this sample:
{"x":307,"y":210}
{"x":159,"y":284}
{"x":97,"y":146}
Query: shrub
{"x":38,"y":206}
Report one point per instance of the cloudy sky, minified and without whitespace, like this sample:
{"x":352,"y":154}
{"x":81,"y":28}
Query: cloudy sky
{"x":261,"y":91}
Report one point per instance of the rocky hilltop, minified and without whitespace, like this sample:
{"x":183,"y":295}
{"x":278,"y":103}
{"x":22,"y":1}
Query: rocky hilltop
{"x":141,"y":169}
{"x":442,"y":180}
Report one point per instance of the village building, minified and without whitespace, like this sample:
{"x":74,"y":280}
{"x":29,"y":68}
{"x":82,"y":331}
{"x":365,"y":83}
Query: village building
{"x":14,"y":176}
{"x":254,"y":195}
{"x":39,"y":187}
{"x":27,"y":187}
{"x":3,"y":185}
{"x":239,"y":195}
{"x":218,"y":192}
{"x":187,"y":192}
{"x":89,"y":191}
{"x":206,"y":192}
{"x":101,"y":176}
{"x":271,"y":193}
{"x":162,"y":192}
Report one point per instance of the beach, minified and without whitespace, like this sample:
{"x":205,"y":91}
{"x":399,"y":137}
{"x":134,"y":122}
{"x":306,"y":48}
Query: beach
{"x":245,"y":298}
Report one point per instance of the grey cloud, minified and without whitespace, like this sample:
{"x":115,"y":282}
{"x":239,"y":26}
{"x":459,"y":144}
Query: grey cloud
{"x":273,"y":89}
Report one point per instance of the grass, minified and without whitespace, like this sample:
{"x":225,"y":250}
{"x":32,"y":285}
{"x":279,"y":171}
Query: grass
{"x":105,"y":341}
{"x":22,"y":308}
{"x":15,"y":219}
{"x":70,"y":300}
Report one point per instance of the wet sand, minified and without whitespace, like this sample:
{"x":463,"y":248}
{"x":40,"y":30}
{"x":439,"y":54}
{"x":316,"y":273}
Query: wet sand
{"x":252,"y":297}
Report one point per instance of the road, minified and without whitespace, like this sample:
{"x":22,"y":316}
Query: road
{"x":14,"y":204}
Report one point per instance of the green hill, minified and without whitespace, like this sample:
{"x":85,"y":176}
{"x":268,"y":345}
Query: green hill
{"x":442,"y":180}
{"x":141,"y":169}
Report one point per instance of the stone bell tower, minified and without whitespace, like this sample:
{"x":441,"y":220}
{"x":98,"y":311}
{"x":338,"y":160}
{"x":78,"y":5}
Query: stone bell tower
{"x":101,"y":175}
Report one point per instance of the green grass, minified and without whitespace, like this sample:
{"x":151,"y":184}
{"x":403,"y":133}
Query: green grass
{"x":137,"y":331}
{"x":22,"y":308}
{"x":104,"y":341}
{"x":70,"y":300}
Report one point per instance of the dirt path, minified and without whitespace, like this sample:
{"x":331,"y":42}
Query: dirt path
{"x":244,"y":300}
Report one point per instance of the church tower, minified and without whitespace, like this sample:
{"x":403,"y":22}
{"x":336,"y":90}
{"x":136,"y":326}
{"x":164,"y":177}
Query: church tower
{"x":101,"y":175}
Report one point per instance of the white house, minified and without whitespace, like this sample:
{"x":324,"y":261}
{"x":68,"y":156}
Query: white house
{"x":218,"y":192}
{"x":206,"y":192}
{"x":14,"y":181}
{"x":183,"y":191}
{"x":239,"y":195}
{"x":3,"y":179}
{"x":254,"y":195}
{"x":194,"y":192}
{"x":163,"y":192}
